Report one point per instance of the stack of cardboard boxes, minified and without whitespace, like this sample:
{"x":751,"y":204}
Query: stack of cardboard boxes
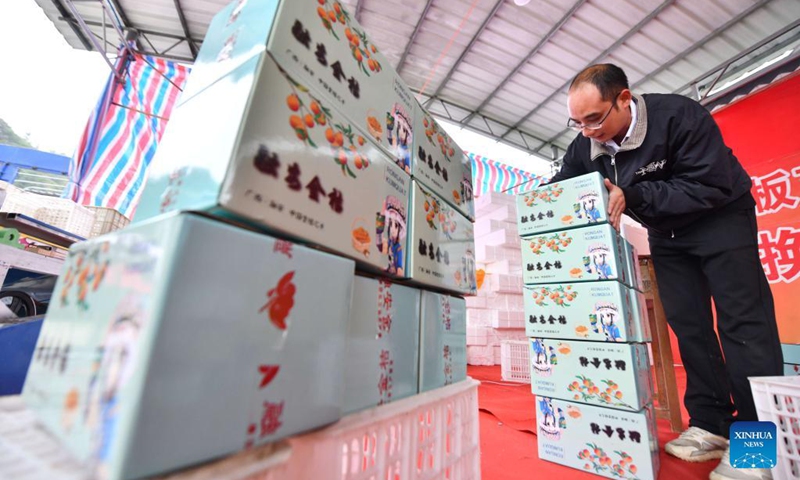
{"x":496,"y":313}
{"x":590,"y":368}
{"x":228,"y":314}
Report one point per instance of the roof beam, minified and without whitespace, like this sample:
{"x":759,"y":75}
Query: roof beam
{"x":712,"y":35}
{"x":101,"y":50}
{"x":530,"y":55}
{"x":145,"y":31}
{"x":602,"y":55}
{"x":724,"y":65}
{"x":359,"y":8}
{"x":185,"y":27}
{"x":122,"y":16}
{"x":468,"y":48}
{"x":402,"y":61}
{"x":73,"y":24}
{"x":524,"y":135}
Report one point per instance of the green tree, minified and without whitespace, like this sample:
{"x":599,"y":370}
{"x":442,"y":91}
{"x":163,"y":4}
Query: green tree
{"x":9,"y":137}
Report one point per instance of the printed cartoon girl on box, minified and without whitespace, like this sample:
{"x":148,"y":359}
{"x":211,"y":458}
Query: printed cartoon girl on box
{"x":111,"y":372}
{"x":544,"y":358}
{"x":588,"y":207}
{"x":547,"y":422}
{"x":392,"y":221}
{"x":400,"y":136}
{"x":597,"y":262}
{"x":608,"y":315}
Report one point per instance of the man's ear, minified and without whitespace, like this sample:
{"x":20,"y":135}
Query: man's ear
{"x":625,"y":98}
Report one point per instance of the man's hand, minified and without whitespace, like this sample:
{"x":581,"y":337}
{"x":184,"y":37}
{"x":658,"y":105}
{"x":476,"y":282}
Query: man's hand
{"x":616,"y":204}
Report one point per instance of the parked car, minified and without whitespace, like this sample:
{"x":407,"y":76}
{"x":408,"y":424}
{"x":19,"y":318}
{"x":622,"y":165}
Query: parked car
{"x":29,"y":296}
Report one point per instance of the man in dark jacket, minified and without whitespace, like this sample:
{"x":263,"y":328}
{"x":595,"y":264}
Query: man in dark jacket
{"x":665,"y":164}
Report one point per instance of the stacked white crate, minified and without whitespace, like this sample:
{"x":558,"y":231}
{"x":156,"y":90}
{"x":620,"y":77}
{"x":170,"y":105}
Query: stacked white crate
{"x":497,"y":312}
{"x":58,"y":212}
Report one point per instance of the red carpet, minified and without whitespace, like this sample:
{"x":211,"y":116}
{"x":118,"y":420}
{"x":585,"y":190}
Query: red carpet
{"x":508,"y":445}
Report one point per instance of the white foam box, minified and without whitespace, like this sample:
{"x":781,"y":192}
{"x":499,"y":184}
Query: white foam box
{"x":576,"y":202}
{"x":443,"y":341}
{"x":581,"y":254}
{"x":382,"y":344}
{"x":602,"y":441}
{"x":506,"y":301}
{"x":507,"y":319}
{"x":476,"y":302}
{"x":634,"y":273}
{"x":476,"y":335}
{"x":480,"y":355}
{"x":499,"y":238}
{"x":170,"y":342}
{"x":503,"y":267}
{"x":498,"y":283}
{"x":442,"y":244}
{"x":491,"y":200}
{"x":496,"y":336}
{"x":440,"y":164}
{"x":485,"y":226}
{"x":251,"y":162}
{"x":633,"y":232}
{"x":326,"y":50}
{"x":478,"y":316}
{"x":592,"y":311}
{"x":504,"y":213}
{"x":613,"y":375}
{"x":491,"y":254}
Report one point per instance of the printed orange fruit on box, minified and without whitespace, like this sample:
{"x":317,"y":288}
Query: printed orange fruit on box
{"x":278,"y":156}
{"x":586,"y":254}
{"x":440,"y":164}
{"x":442,"y":244}
{"x":588,"y":369}
{"x":604,"y":311}
{"x":576,"y":202}
{"x":323,"y":47}
{"x":606,"y":442}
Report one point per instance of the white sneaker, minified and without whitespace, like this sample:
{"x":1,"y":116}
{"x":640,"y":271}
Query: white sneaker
{"x":725,"y":471}
{"x":697,"y":445}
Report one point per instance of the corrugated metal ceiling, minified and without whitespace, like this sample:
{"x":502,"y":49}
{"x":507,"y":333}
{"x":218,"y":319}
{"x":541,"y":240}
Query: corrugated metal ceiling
{"x":499,"y":68}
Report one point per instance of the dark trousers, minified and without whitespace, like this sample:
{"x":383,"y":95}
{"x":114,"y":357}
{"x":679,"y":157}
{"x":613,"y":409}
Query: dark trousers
{"x":718,"y":258}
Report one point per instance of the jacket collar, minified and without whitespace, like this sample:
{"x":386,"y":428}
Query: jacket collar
{"x":634,"y":141}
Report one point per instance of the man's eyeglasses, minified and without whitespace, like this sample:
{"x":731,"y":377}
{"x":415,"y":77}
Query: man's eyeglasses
{"x":593,"y":126}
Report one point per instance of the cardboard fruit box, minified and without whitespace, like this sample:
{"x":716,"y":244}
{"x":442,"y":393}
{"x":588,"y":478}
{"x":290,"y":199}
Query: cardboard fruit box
{"x":440,"y":164}
{"x":383,"y":344}
{"x":441,"y":245}
{"x":615,"y":375}
{"x":170,"y":343}
{"x":443,"y":341}
{"x":576,"y":202}
{"x":326,"y":49}
{"x":590,"y":311}
{"x":577,"y":255}
{"x":259,"y":147}
{"x":610,"y":443}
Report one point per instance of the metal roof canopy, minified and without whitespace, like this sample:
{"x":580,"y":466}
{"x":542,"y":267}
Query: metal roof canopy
{"x":497,"y":68}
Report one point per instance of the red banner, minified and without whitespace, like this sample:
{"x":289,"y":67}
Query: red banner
{"x":762,"y":130}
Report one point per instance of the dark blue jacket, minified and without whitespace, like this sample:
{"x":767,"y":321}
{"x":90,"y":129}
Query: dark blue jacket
{"x":674,"y":169}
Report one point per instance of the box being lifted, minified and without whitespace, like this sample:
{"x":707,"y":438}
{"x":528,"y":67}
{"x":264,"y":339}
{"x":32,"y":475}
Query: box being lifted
{"x":576,"y":202}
